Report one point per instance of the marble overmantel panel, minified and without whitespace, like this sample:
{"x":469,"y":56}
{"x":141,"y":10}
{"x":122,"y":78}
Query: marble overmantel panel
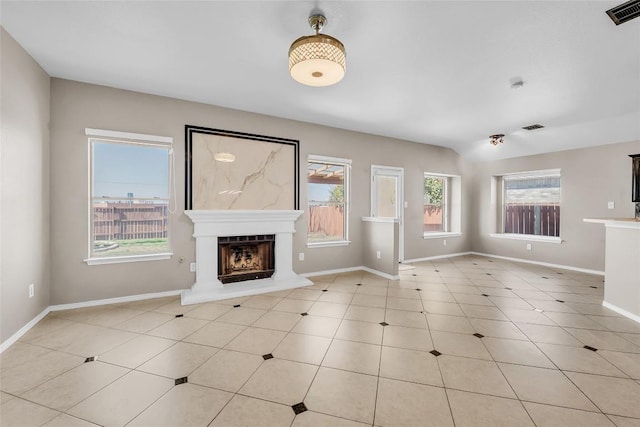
{"x":262,"y":175}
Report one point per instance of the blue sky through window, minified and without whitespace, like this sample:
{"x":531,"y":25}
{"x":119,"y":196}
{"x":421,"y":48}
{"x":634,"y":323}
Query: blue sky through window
{"x":120,"y":169}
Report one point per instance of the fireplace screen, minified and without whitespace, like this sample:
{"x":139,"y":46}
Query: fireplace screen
{"x":245,"y":257}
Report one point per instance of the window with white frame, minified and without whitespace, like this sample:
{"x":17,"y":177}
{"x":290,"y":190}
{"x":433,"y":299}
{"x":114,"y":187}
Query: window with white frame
{"x":531,"y":203}
{"x":328,"y":200}
{"x":441,"y":204}
{"x":129,"y":198}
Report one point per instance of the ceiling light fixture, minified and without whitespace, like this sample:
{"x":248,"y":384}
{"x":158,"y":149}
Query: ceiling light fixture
{"x":224,"y":157}
{"x":317,"y":60}
{"x":496,"y":139}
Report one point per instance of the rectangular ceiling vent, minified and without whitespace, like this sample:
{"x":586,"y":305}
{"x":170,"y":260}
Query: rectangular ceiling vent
{"x":532,"y":127}
{"x":625,"y":12}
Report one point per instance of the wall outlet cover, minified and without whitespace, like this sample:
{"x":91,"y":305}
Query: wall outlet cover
{"x":301,"y":256}
{"x":378,"y":255}
{"x":611,"y":205}
{"x":192,"y":267}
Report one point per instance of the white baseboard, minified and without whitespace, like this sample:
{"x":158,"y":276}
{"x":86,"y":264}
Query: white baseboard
{"x":336,"y":271}
{"x":431,"y":258}
{"x":117,"y":300}
{"x":350,"y":270}
{"x":380,"y":273}
{"x":622,"y":311}
{"x":544,"y":264}
{"x":15,"y":337}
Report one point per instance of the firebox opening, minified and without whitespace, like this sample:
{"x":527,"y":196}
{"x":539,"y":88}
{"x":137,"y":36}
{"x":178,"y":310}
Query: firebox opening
{"x":243,"y":258}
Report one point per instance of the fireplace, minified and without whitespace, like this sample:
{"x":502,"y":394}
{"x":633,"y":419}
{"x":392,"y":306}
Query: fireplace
{"x":246,"y":257}
{"x":250,"y":230}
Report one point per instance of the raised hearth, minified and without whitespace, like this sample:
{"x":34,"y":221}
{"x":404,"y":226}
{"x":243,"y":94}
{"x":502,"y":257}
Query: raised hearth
{"x":209,"y":225}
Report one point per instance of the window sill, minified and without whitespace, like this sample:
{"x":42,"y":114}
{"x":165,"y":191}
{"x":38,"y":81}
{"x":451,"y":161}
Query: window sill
{"x":329,"y":244}
{"x":529,"y":237}
{"x":441,"y":234}
{"x":129,"y":258}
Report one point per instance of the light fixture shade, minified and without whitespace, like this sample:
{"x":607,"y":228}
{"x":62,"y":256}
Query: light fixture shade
{"x":318,"y":60}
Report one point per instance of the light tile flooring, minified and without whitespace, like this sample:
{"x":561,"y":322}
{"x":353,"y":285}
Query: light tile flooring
{"x":467,"y":341}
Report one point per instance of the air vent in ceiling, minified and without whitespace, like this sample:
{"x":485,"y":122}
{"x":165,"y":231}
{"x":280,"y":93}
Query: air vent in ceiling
{"x":532,"y":127}
{"x":625,"y":12}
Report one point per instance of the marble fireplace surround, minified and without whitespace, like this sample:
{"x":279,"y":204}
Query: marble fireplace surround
{"x":210,"y":224}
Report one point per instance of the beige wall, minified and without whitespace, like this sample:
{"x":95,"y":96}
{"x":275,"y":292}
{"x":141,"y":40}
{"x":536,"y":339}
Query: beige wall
{"x":380,"y":236}
{"x":24,"y":200}
{"x":591,"y":177}
{"x":76,"y":106}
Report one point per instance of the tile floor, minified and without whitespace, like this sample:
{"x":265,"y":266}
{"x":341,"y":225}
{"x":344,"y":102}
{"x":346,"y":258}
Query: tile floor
{"x":466,"y":341}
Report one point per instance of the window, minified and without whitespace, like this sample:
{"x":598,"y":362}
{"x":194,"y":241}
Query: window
{"x":435,"y":204}
{"x":441,"y":205}
{"x":531,"y":203}
{"x":129,"y":197}
{"x":328,"y":196}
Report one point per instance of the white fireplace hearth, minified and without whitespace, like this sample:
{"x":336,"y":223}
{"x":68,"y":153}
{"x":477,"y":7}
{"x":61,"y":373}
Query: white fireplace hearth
{"x":210,"y":224}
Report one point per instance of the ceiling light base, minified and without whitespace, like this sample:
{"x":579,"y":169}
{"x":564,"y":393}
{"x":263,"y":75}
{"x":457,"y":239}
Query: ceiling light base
{"x":496,"y":139}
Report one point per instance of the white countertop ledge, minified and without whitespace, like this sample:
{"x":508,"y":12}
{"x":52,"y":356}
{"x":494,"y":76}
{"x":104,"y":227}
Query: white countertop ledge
{"x":615,"y":222}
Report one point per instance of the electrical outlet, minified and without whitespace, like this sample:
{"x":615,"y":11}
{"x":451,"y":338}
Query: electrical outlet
{"x":611,"y":205}
{"x":378,"y":255}
{"x":31,"y":290}
{"x":444,"y":242}
{"x":301,"y":256}
{"x":192,"y":267}
{"x":528,"y":246}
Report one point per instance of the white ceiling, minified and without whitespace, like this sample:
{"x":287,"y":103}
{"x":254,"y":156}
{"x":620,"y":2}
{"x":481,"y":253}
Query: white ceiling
{"x":435,"y":72}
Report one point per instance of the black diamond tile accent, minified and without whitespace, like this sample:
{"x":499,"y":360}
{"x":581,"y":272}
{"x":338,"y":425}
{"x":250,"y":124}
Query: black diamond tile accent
{"x":559,"y":300}
{"x":299,"y":408}
{"x":436,"y":353}
{"x":488,"y":274}
{"x":182,"y":380}
{"x":304,"y":314}
{"x":485,"y":295}
{"x":489,"y":260}
{"x":179,"y":315}
{"x":594,"y":287}
{"x":544,"y":277}
{"x":358,"y":284}
{"x":418,"y":289}
{"x":90,"y":359}
{"x":474,"y":263}
{"x":267,"y":356}
{"x":236,"y":306}
{"x":325,"y":290}
{"x":588,"y":347}
{"x":414,"y":274}
{"x":509,"y":289}
{"x":437,"y":271}
{"x":478,"y":335}
{"x":557,"y":272}
{"x":384,"y":323}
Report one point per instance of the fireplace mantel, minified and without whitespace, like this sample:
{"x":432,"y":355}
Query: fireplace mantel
{"x":211,"y":224}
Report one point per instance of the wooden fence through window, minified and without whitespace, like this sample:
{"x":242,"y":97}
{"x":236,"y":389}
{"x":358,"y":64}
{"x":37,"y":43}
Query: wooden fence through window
{"x":126,"y":221}
{"x":539,"y":220}
{"x":326,"y":220}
